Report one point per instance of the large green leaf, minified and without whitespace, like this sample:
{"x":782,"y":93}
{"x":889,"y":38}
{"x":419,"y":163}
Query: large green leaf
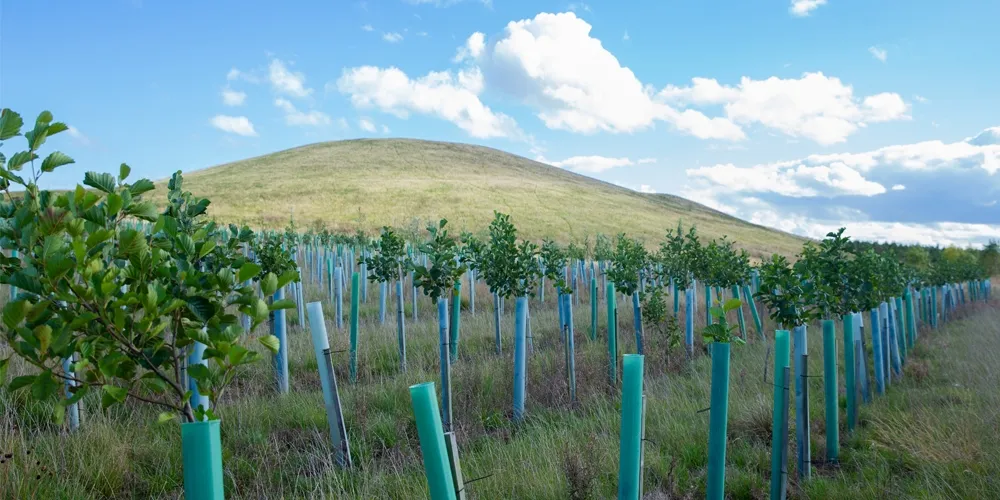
{"x":103,"y":181}
{"x":247,"y":271}
{"x":271,"y":343}
{"x":14,"y":312}
{"x":112,"y":394}
{"x":202,"y":308}
{"x":44,"y":386}
{"x":123,"y":172}
{"x":4,"y":364}
{"x":21,"y":382}
{"x":55,"y":160}
{"x":269,"y":285}
{"x":141,"y":186}
{"x":10,"y":124}
{"x":19,"y":159}
{"x":145,"y":210}
{"x":282,"y":304}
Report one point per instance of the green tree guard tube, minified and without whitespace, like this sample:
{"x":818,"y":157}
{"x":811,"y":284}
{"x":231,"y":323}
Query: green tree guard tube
{"x":279,"y":328}
{"x":934,"y":307}
{"x":717,"y":422}
{"x":877,"y":353}
{"x":739,"y":313}
{"x":689,"y":300}
{"x":677,"y":297}
{"x":355,"y":283}
{"x":830,"y":390}
{"x":612,"y":336}
{"x":570,"y":348}
{"x":708,"y":305}
{"x":201,"y":455}
{"x":900,"y":329}
{"x":911,"y":324}
{"x":850,"y":368}
{"x":779,"y":422}
{"x":748,"y":297}
{"x":338,"y":292}
{"x":804,"y":456}
{"x":383,"y":291}
{"x":520,"y":356}
{"x":629,"y":464}
{"x":432,"y":446}
{"x":637,"y":317}
{"x":445,"y":341}
{"x":456,"y":311}
{"x":593,"y":308}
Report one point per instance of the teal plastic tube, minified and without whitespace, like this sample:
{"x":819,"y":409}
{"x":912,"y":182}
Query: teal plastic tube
{"x":748,"y":297}
{"x":739,"y":313}
{"x":677,"y":297}
{"x":877,"y":353}
{"x":520,"y":356}
{"x":850,"y":382}
{"x":779,"y":422}
{"x":383,"y":291}
{"x":570,"y":348}
{"x":201,"y":456}
{"x":830,"y":391}
{"x":630,"y":449}
{"x":400,"y":325}
{"x":432,"y":446}
{"x":73,"y":410}
{"x":355,"y":279}
{"x":456,"y":319}
{"x":593,"y":308}
{"x":280,"y":329}
{"x":803,"y":443}
{"x":338,"y":292}
{"x":911,"y":322}
{"x":689,"y":321}
{"x":612,"y":335}
{"x":300,"y":304}
{"x":894,"y":356}
{"x":195,"y":358}
{"x":708,"y":305}
{"x":900,"y":329}
{"x":472,"y":292}
{"x":413,"y":295}
{"x":445,"y":341}
{"x":637,"y":315}
{"x":718,"y":422}
{"x":328,"y":381}
{"x":934,"y":307}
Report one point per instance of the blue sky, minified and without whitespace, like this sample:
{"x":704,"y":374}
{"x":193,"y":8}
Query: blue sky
{"x":798,"y":114}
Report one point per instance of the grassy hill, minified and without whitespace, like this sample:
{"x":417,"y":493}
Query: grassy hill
{"x":369,"y":183}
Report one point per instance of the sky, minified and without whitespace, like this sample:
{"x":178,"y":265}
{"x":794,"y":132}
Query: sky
{"x":803,"y":115}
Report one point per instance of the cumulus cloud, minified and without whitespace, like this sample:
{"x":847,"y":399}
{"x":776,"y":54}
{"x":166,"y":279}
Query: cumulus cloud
{"x":239,"y":125}
{"x":367,"y":27}
{"x":232,"y":97}
{"x":588,"y":164}
{"x":815,"y":106}
{"x":293,"y":116}
{"x":366,"y":125}
{"x":392,"y":37}
{"x":78,"y":136}
{"x":877,"y":53}
{"x":285,"y":81}
{"x":446,"y":95}
{"x":802,"y":8}
{"x":946,"y":198}
{"x":552,"y":64}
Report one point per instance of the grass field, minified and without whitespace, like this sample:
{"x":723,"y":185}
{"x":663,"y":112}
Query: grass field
{"x":370,"y":183}
{"x":933,"y":436}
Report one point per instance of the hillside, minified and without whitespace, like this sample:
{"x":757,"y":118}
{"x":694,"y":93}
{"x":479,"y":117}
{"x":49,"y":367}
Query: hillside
{"x":404,"y":183}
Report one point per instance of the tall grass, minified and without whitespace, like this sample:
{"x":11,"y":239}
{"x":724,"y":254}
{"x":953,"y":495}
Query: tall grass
{"x":932,"y":436}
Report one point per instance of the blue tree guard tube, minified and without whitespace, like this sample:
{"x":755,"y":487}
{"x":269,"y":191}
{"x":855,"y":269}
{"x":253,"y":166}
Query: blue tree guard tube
{"x":383,"y":291}
{"x":496,"y":321}
{"x":677,"y":297}
{"x":280,"y":329}
{"x":201,"y":455}
{"x":444,"y":363}
{"x":883,"y":329}
{"x":900,"y":328}
{"x":328,"y":381}
{"x":850,"y":371}
{"x":860,"y":359}
{"x":456,"y":318}
{"x":472,"y":292}
{"x":739,"y":313}
{"x":637,"y":319}
{"x":520,"y":356}
{"x":718,"y":422}
{"x":73,"y":410}
{"x":934,"y":307}
{"x":630,"y":462}
{"x":830,"y":398}
{"x":561,"y":309}
{"x":338,"y":288}
{"x":612,"y":335}
{"x":300,"y":304}
{"x":911,"y":324}
{"x":570,"y":349}
{"x":593,"y":308}
{"x":195,"y":357}
{"x":414,"y":295}
{"x":364,"y":282}
{"x":437,"y":466}
{"x":779,"y":429}
{"x":877,"y":352}
{"x":894,"y":358}
{"x":708,"y":305}
{"x":689,"y":321}
{"x":802,"y":402}
{"x":748,"y":297}
{"x":400,"y":325}
{"x":355,"y":285}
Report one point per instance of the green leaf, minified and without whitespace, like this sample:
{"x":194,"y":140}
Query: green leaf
{"x":4,"y":364}
{"x":202,"y":308}
{"x":56,"y":128}
{"x":43,"y":333}
{"x":19,"y":159}
{"x":44,"y":386}
{"x":141,"y":186}
{"x":21,"y":382}
{"x":145,"y":210}
{"x":112,"y":394}
{"x":271,"y":343}
{"x":732,"y":304}
{"x":78,"y":394}
{"x":115,"y":203}
{"x":14,"y":312}
{"x":247,"y":271}
{"x":58,"y":414}
{"x":103,"y":182}
{"x":165,"y":417}
{"x":269,"y":285}
{"x":55,"y":160}
{"x":123,"y":172}
{"x":10,"y":124}
{"x":206,"y":248}
{"x":282,"y":304}
{"x":287,"y":277}
{"x":201,"y":373}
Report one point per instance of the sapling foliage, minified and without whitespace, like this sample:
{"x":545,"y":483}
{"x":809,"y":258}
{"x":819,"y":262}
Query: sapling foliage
{"x":781,"y":291}
{"x":628,"y":260}
{"x":720,"y":330}
{"x":385,"y":263}
{"x":554,"y":264}
{"x":443,"y":267}
{"x":510,"y":268}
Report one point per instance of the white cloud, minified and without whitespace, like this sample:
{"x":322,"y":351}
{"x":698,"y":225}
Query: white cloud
{"x":78,"y":136}
{"x":392,"y":37}
{"x":239,"y":125}
{"x":803,"y":8}
{"x":385,"y":129}
{"x":790,"y":180}
{"x":625,"y":36}
{"x":286,"y":81}
{"x":588,"y":164}
{"x":920,"y":98}
{"x":877,"y":53}
{"x":232,"y":97}
{"x":293,"y":116}
{"x":441,"y":93}
{"x":815,"y":106}
{"x":236,"y":74}
{"x":645,"y":188}
{"x":366,"y":125}
{"x":553,"y":65}
{"x":421,"y":33}
{"x":367,"y":27}
{"x":473,"y":47}
{"x":643,"y":161}
{"x":898,"y":187}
